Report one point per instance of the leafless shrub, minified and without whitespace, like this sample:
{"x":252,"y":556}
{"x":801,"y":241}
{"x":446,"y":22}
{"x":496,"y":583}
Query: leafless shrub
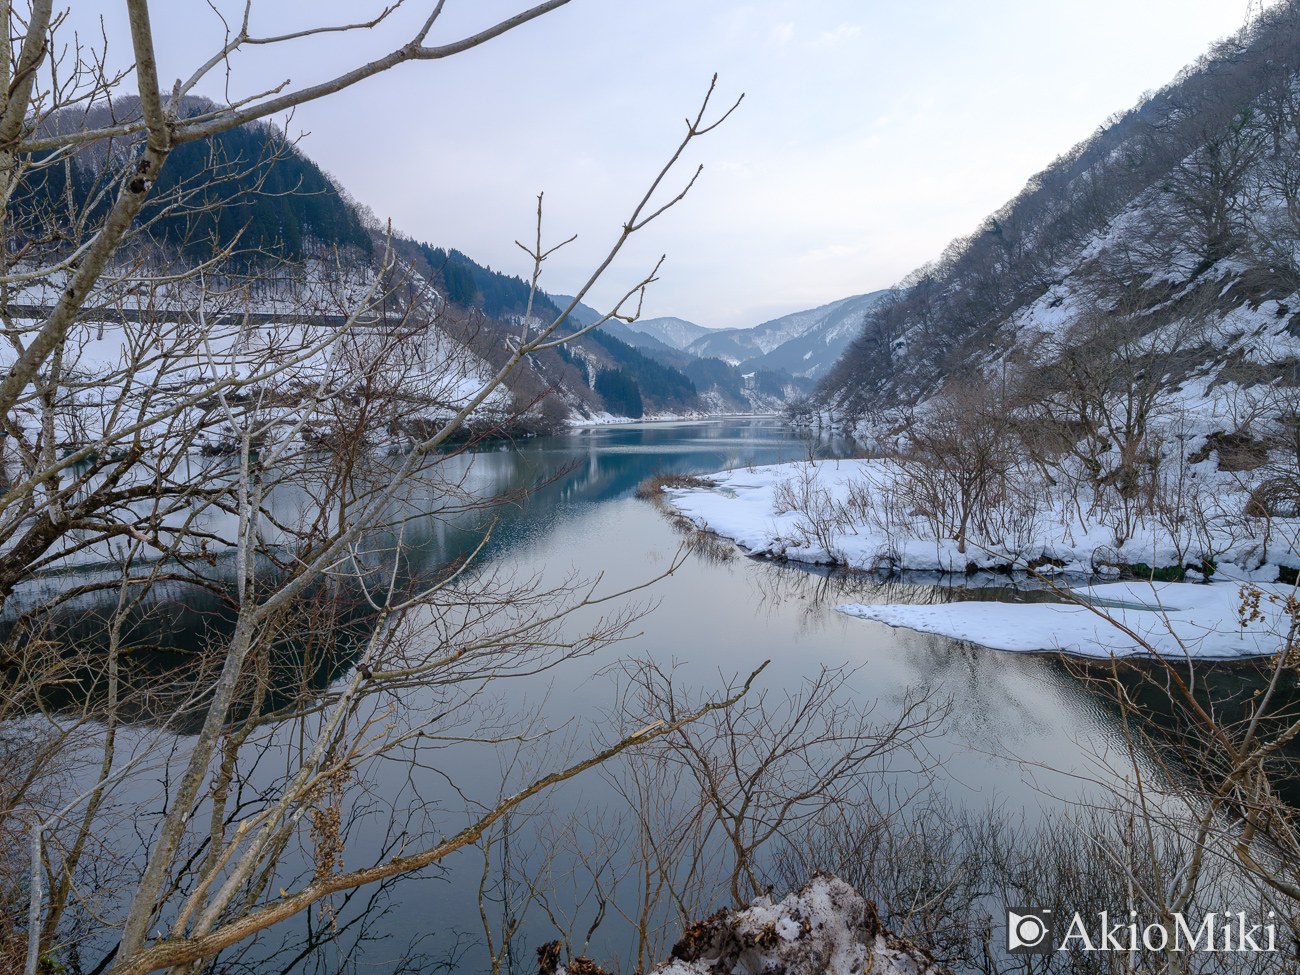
{"x":777,"y":767}
{"x":1196,"y":518}
{"x":960,"y":461}
{"x":822,"y":517}
{"x":1107,"y":391}
{"x":1207,"y":811}
{"x":652,"y":488}
{"x":943,"y":875}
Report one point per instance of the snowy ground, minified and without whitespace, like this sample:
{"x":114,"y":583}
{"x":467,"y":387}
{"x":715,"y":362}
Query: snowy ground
{"x":829,"y":524}
{"x":605,"y":419}
{"x":1122,"y":619}
{"x":834,"y":522}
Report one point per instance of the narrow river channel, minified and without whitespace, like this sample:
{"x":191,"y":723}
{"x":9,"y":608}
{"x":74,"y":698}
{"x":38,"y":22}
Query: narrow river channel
{"x":1021,"y":734}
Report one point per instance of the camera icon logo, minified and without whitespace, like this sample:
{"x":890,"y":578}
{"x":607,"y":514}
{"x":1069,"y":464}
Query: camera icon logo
{"x":1029,"y":931}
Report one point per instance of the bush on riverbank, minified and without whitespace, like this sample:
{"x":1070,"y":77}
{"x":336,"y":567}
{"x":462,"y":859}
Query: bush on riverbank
{"x":653,"y":488}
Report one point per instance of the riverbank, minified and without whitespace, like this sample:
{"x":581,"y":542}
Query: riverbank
{"x":846,"y":513}
{"x":605,"y":419}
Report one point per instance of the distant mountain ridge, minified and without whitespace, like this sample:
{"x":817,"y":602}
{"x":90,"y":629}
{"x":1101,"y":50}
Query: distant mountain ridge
{"x":675,"y":332}
{"x":804,"y":343}
{"x":582,"y":313}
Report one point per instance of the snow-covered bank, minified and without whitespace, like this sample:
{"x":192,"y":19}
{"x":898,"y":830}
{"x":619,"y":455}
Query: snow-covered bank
{"x":841,"y":512}
{"x":845,"y":512}
{"x":1173,"y":619}
{"x":604,"y":419}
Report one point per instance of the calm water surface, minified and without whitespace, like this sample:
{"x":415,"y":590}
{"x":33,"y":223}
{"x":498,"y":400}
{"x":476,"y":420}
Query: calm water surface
{"x":1022,"y":733}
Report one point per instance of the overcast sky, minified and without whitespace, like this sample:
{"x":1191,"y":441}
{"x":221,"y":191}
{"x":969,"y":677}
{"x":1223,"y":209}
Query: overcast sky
{"x":871,"y":132}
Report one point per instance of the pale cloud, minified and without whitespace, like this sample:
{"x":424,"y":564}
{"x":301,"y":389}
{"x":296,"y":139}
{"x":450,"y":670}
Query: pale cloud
{"x":780,"y":34}
{"x":838,"y":36}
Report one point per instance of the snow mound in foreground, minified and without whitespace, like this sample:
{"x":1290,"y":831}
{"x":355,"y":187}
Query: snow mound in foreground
{"x":825,"y":927}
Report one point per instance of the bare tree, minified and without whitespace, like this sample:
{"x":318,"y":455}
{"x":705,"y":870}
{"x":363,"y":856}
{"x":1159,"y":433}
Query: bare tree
{"x":1226,"y":763}
{"x":961,"y":456}
{"x":1105,"y":392}
{"x":1203,"y":805}
{"x":244,"y":456}
{"x":768,"y":769}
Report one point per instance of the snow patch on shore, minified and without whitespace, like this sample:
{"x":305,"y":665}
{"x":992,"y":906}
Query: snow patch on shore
{"x":1172,"y":619}
{"x":751,"y":506}
{"x":747,"y":507}
{"x":603,"y":418}
{"x":825,"y":928}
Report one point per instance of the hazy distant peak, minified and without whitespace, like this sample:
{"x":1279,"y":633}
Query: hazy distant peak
{"x":804,"y":343}
{"x":583,"y":314}
{"x":676,"y":332}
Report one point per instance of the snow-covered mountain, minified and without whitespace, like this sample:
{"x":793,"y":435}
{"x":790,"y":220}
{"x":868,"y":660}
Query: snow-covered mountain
{"x":1132,"y":251}
{"x":804,"y":343}
{"x":653,"y":334}
{"x":675,"y":332}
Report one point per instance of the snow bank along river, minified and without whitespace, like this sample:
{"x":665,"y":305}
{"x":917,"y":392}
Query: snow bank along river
{"x":1022,"y":732}
{"x":752,"y":506}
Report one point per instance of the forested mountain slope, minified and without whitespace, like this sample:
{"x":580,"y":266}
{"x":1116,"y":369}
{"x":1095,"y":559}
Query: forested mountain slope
{"x":247,"y":187}
{"x":1176,"y":225}
{"x":291,"y":245}
{"x":294,"y":243}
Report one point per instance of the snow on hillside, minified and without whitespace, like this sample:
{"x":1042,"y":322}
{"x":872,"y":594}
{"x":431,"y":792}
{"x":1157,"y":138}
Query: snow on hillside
{"x":316,"y":287}
{"x":803,"y":343}
{"x":811,"y":353}
{"x":154,"y":351}
{"x":778,"y":331}
{"x":674,"y":332}
{"x":1176,"y":222}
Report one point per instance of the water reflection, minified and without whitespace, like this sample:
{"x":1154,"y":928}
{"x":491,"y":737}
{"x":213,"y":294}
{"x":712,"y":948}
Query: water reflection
{"x":1024,"y":732}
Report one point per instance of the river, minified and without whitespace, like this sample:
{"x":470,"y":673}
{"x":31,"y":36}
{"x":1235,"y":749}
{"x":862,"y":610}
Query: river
{"x":1021,"y":734}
